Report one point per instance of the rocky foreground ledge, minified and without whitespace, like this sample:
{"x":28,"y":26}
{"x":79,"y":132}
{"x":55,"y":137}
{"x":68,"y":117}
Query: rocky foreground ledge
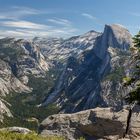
{"x":15,"y":129}
{"x":93,"y":124}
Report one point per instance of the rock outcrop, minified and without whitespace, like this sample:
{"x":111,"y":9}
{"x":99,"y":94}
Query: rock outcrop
{"x":4,"y":109}
{"x":93,"y":124}
{"x":16,"y":130}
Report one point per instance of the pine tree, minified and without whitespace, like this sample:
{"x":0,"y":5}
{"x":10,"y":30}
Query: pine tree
{"x":134,"y":80}
{"x":136,"y":40}
{"x":133,"y":97}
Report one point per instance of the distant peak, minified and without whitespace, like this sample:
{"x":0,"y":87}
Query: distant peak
{"x":92,"y":31}
{"x":120,"y":25}
{"x":116,"y":26}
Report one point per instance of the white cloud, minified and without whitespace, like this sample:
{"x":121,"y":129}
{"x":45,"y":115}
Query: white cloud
{"x":13,"y":25}
{"x":89,"y":16}
{"x":30,"y":33}
{"x":60,"y":21}
{"x":27,"y":10}
{"x":18,"y":12}
{"x":12,"y":33}
{"x":135,"y":14}
{"x":23,"y":24}
{"x":93,"y":18}
{"x":134,"y":27}
{"x":3,"y":17}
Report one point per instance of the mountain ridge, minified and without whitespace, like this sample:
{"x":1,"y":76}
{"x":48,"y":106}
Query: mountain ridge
{"x":84,"y":65}
{"x":84,"y":90}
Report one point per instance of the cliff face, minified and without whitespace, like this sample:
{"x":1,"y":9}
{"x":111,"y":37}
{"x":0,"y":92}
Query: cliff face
{"x":18,"y":60}
{"x":82,"y":84}
{"x":114,"y":36}
{"x":8,"y":82}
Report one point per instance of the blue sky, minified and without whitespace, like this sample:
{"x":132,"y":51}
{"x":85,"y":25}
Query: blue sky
{"x":65,"y":18}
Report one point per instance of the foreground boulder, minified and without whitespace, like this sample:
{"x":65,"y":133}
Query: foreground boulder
{"x":17,"y":130}
{"x":99,"y":123}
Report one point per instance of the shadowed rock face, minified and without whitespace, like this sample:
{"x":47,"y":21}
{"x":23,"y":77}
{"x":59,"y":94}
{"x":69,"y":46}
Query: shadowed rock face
{"x":80,"y":84}
{"x":91,"y":124}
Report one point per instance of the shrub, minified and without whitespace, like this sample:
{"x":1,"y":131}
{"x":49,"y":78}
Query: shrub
{"x":32,"y":136}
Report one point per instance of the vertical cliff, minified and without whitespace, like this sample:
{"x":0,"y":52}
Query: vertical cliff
{"x":82,"y":84}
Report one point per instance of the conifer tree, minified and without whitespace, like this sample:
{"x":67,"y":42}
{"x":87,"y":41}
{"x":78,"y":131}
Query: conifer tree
{"x":133,"y":97}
